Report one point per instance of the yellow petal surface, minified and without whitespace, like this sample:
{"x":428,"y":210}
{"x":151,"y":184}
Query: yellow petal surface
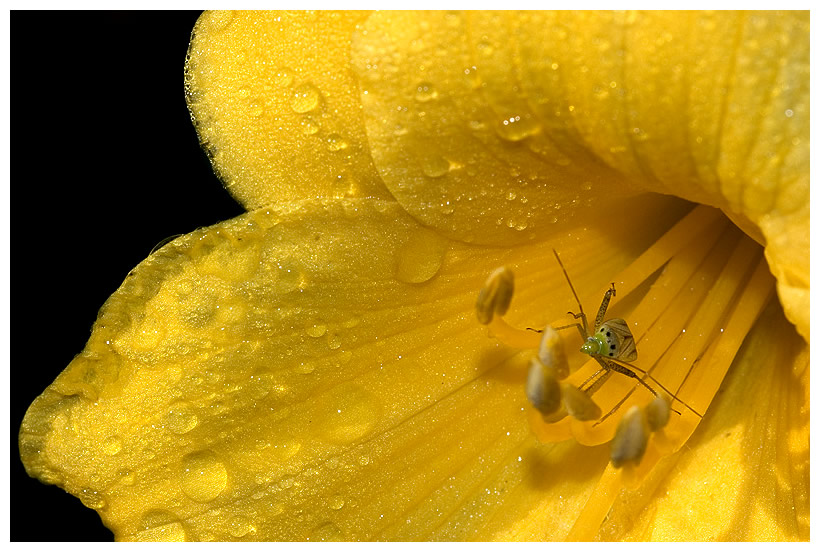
{"x":757,"y":434}
{"x":484,"y":124}
{"x":274,"y":101}
{"x":315,"y":371}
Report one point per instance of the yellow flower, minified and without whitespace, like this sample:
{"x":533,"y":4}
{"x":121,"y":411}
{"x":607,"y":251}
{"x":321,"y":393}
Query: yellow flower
{"x":314,"y":369}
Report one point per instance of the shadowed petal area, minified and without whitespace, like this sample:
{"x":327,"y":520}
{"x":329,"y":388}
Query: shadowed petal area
{"x":315,"y":371}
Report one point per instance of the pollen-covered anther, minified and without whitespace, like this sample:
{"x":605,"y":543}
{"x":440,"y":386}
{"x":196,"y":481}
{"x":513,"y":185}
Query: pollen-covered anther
{"x":543,"y":388}
{"x":578,"y":404}
{"x":632,"y":435}
{"x":495,"y":296}
{"x":657,"y":413}
{"x":551,"y":352}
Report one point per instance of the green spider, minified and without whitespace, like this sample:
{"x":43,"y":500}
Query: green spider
{"x":612,"y":346}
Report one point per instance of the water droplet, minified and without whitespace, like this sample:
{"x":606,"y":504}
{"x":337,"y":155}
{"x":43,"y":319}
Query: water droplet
{"x":204,"y":477}
{"x":317,"y":329}
{"x":180,"y":418}
{"x":126,"y":476}
{"x":160,"y":526}
{"x":92,"y":499}
{"x":260,"y":385}
{"x":420,"y":258}
{"x":288,"y":279}
{"x":336,"y":502}
{"x":327,"y":532}
{"x":425,"y":92}
{"x":305,"y":367}
{"x":348,"y":412}
{"x":434,"y":166}
{"x":516,"y":127}
{"x":239,"y":526}
{"x":283,"y":77}
{"x":305,"y":98}
{"x":112,"y":445}
{"x":335,"y":142}
{"x":285,"y":448}
{"x":334,"y":341}
{"x":309,"y":126}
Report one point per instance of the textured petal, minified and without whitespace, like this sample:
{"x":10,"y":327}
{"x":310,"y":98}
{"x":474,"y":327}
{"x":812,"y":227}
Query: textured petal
{"x":457,"y":143}
{"x":315,"y":371}
{"x":745,"y":472}
{"x":275,"y":104}
{"x":562,"y":109}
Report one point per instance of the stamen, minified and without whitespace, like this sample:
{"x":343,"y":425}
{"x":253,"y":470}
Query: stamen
{"x":631,"y":437}
{"x":495,"y":296}
{"x":492,"y":303}
{"x":543,"y":389}
{"x":578,"y":403}
{"x":551,"y":352}
{"x":657,"y":413}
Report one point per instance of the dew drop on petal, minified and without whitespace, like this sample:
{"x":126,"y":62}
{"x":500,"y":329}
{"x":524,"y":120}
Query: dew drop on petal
{"x":336,"y":502}
{"x":425,"y":92}
{"x":283,"y":76}
{"x":434,"y":166}
{"x":348,"y":413}
{"x":180,"y":419}
{"x":160,"y":525}
{"x":240,"y":526}
{"x":335,"y":142}
{"x":317,"y":329}
{"x":420,"y":258}
{"x":112,"y":445}
{"x":204,"y":476}
{"x":306,"y":97}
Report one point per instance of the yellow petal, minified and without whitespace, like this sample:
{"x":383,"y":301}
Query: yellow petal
{"x":280,"y":376}
{"x":745,"y":472}
{"x":482,"y":124}
{"x":276,"y":106}
{"x":456,"y":145}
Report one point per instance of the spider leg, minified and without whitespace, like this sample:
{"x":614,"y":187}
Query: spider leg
{"x":610,"y":293}
{"x":581,"y":314}
{"x":581,"y":330}
{"x":624,"y":364}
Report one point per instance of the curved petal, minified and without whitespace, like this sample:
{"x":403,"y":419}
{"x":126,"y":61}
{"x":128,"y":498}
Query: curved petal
{"x":744,"y":475}
{"x":275,"y":104}
{"x":314,"y":371}
{"x":467,"y":112}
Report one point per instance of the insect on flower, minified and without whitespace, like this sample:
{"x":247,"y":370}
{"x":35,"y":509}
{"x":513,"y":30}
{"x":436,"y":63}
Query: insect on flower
{"x":612,"y":346}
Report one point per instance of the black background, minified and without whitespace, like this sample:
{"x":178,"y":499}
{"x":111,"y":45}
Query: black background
{"x":105,"y":164}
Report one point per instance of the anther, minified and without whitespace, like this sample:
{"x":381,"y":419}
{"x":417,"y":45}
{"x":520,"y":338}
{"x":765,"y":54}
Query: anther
{"x":657,"y":413}
{"x":631,"y":438}
{"x":543,"y":388}
{"x":551,"y":352}
{"x":578,"y":403}
{"x":495,"y":296}
{"x":632,"y":435}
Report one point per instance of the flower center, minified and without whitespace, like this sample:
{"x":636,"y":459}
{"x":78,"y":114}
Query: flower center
{"x":706,"y":284}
